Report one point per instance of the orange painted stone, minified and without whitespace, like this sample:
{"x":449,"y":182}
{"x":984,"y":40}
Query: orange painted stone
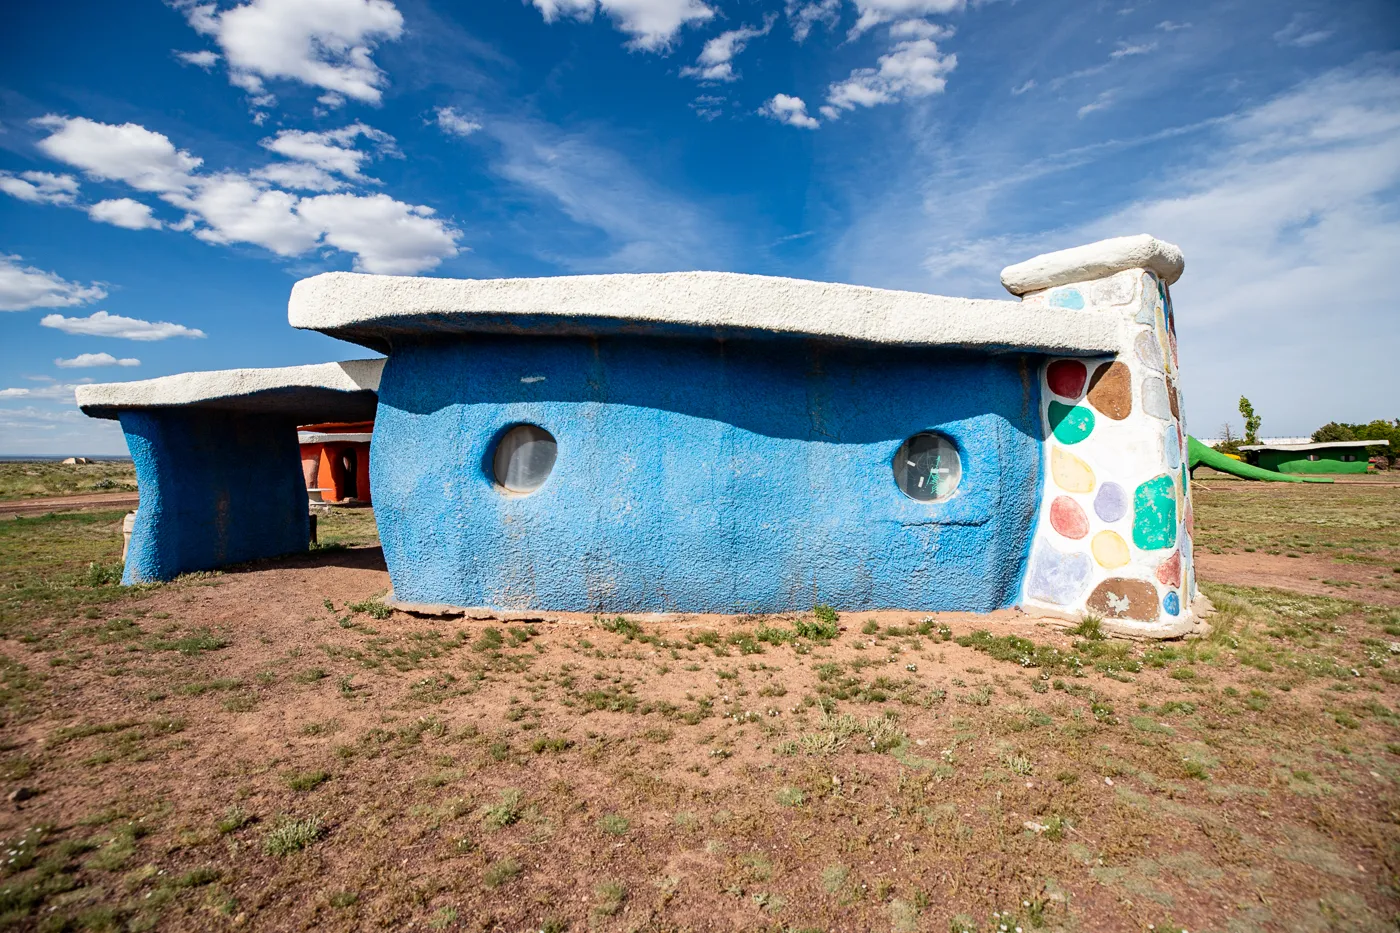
{"x":1111,"y":391}
{"x":1172,"y":399}
{"x":1066,"y":378}
{"x":1169,"y":571}
{"x":1120,"y":598}
{"x":1068,"y":518}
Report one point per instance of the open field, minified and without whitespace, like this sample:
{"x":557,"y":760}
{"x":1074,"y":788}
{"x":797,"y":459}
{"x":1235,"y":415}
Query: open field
{"x":34,"y":479}
{"x":270,"y":748}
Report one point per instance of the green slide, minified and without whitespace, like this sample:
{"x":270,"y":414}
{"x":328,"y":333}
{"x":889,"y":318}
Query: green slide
{"x":1200,"y":454}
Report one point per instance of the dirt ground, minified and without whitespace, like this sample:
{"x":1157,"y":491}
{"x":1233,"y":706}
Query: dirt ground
{"x":271,"y":748}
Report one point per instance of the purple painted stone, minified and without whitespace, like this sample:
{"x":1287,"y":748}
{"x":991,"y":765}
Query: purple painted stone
{"x":1111,"y":503}
{"x":1056,"y":577}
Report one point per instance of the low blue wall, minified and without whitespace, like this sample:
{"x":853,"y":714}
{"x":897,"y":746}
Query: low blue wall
{"x":216,"y":488}
{"x":702,"y":476}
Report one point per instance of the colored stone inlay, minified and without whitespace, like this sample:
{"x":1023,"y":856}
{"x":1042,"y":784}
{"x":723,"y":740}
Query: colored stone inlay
{"x":1172,"y":604}
{"x":1154,"y":514}
{"x":1068,"y":518}
{"x":1120,"y":598}
{"x":1169,"y":571}
{"x":1148,"y":350}
{"x":1069,"y":472}
{"x":1070,"y":423}
{"x":1066,"y":377}
{"x":1110,"y":550}
{"x":1173,"y":402}
{"x":1149,"y":300}
{"x":1172,"y":447}
{"x":1111,"y":503}
{"x":1111,"y":390}
{"x":1067,"y":298}
{"x":1057,"y":577}
{"x":1154,"y":398}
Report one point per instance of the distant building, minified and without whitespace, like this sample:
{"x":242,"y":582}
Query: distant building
{"x":335,"y":460}
{"x":1323,"y":457}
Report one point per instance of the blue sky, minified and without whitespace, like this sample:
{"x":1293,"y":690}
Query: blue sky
{"x":166,"y":175}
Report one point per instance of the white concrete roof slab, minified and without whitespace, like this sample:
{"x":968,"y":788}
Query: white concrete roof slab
{"x":376,"y":310}
{"x":1316,"y":446}
{"x":316,"y":437}
{"x":1095,"y":261}
{"x":344,"y":391}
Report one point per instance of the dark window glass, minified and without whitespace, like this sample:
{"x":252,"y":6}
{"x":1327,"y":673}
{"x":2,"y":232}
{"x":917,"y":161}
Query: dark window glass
{"x":927,"y":467}
{"x":524,"y":456}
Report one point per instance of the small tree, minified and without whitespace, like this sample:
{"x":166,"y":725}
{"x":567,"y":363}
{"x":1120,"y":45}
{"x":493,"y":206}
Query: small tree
{"x":1251,"y":421}
{"x":1229,"y":444}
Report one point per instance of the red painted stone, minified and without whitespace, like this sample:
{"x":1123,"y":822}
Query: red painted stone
{"x":1169,"y":571}
{"x":1066,"y":378}
{"x":1068,"y":518}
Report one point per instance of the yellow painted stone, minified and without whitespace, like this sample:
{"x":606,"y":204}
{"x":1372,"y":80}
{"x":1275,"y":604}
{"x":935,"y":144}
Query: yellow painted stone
{"x":1110,"y":550}
{"x":1069,"y":472}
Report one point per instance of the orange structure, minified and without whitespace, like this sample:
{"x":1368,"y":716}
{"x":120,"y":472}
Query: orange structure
{"x":335,"y":460}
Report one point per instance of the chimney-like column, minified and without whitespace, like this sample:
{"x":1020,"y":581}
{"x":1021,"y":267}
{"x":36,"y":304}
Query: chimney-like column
{"x":1113,"y":536}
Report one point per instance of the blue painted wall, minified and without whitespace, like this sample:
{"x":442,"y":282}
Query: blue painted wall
{"x":701,"y":476}
{"x":216,"y":488}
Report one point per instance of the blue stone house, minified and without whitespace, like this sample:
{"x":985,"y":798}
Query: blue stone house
{"x":720,"y":443}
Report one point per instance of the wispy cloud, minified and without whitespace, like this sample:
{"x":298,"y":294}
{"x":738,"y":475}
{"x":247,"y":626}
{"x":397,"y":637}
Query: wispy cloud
{"x":1101,"y":102}
{"x":91,"y":360}
{"x":1300,"y":34}
{"x":24,"y":287}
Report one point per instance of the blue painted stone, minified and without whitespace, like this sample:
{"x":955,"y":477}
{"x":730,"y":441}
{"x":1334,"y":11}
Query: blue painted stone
{"x":1067,"y":298}
{"x":1111,"y":503}
{"x":700,"y":476}
{"x":1154,"y":398}
{"x":1057,"y":577}
{"x":1172,"y":447}
{"x":216,"y":488}
{"x":1172,"y":604}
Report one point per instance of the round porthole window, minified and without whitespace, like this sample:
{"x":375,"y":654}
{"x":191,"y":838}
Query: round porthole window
{"x":524,"y":456}
{"x":927,"y":467}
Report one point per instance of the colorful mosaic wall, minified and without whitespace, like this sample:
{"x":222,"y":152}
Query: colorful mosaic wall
{"x":1114,"y":531}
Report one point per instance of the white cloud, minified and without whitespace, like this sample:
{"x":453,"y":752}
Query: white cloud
{"x":333,"y":151}
{"x":1020,"y":89}
{"x":1167,"y":25}
{"x":102,"y":324}
{"x":331,"y":100}
{"x":454,"y":123}
{"x":235,"y":209}
{"x":708,"y":106}
{"x":57,"y":391}
{"x":386,"y":236}
{"x":299,"y":175}
{"x":145,"y":160}
{"x":875,"y":12}
{"x":1103,"y":101}
{"x":803,"y":17}
{"x":789,"y":110}
{"x":716,"y":61}
{"x":652,"y":24}
{"x":1125,"y":50}
{"x":90,"y":360}
{"x":40,"y":187}
{"x":230,"y":207}
{"x":919,"y":29}
{"x":913,"y":68}
{"x":25,"y":287}
{"x":124,"y":212}
{"x":202,"y":59}
{"x":323,"y":43}
{"x":1298,"y":34}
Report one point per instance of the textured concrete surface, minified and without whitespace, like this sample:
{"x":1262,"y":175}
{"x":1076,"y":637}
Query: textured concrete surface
{"x":1094,"y":261}
{"x":217,"y":487}
{"x":695,"y":475}
{"x":322,"y":391}
{"x":380,"y":311}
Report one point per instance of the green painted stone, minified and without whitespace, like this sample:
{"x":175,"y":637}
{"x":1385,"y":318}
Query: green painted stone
{"x":1071,"y":423}
{"x":1154,"y":514}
